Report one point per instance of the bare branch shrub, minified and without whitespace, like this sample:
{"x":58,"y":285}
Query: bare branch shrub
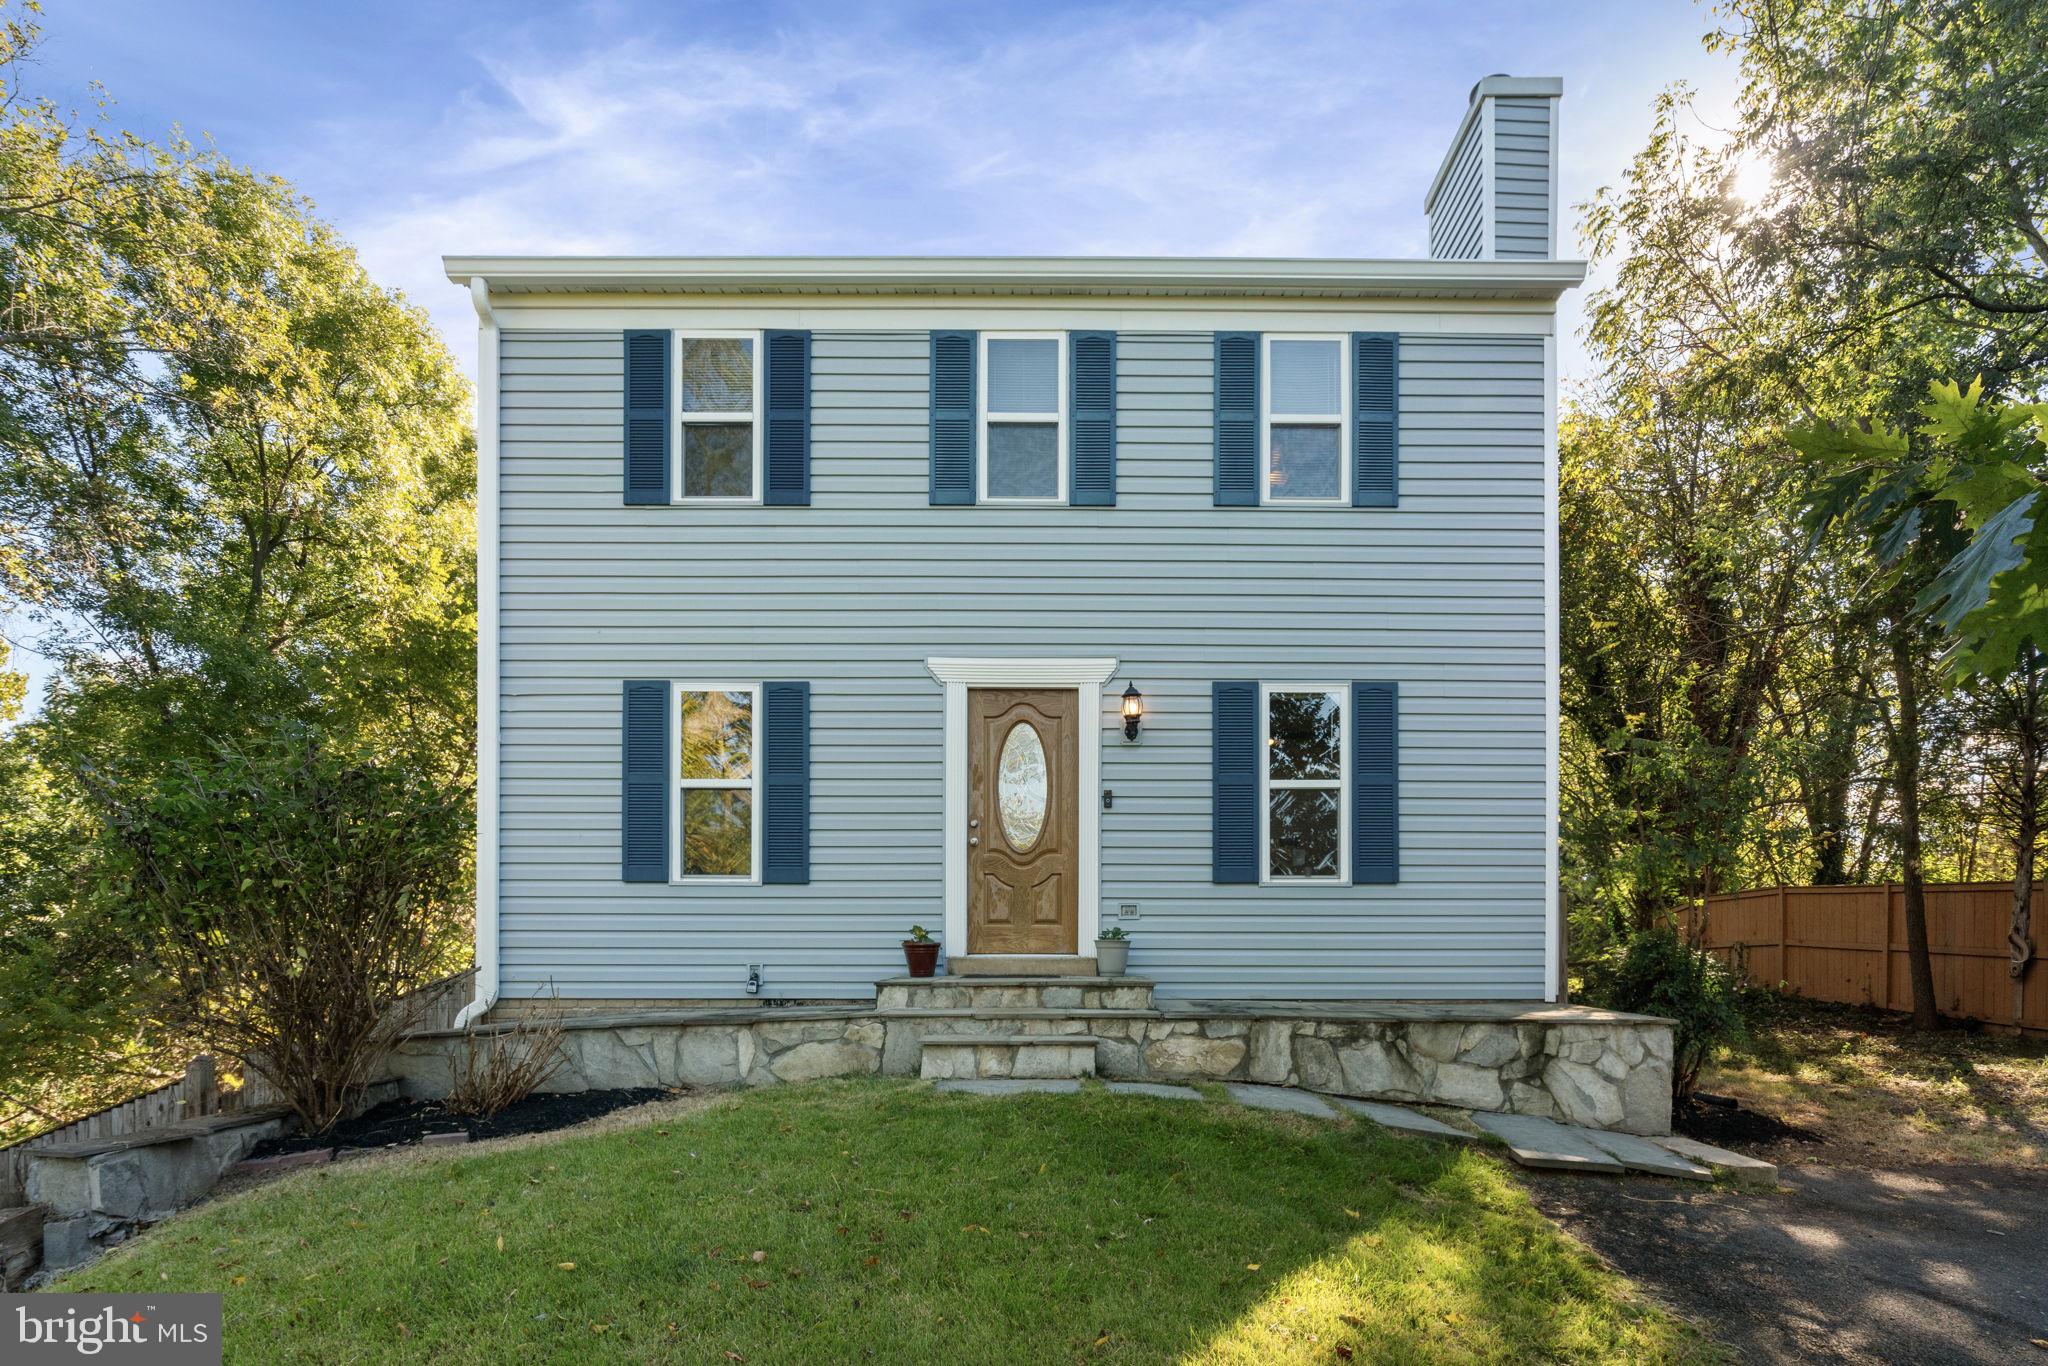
{"x":504,"y":1065}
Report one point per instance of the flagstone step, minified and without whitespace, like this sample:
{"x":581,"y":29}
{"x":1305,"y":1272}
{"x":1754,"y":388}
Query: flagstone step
{"x":1546,"y":1144}
{"x":1402,"y":1120}
{"x":951,"y":1056}
{"x":1739,"y":1168}
{"x":1641,"y":1155}
{"x":1013,"y":993}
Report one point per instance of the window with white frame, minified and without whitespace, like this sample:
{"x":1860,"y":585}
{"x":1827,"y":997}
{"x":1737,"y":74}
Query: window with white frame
{"x":718,"y":806}
{"x":718,"y":412}
{"x":1023,"y":417}
{"x":1303,"y":783}
{"x":1307,"y":409}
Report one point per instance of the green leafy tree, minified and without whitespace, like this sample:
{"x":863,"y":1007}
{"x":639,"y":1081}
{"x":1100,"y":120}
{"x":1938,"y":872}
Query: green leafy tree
{"x":236,"y":501}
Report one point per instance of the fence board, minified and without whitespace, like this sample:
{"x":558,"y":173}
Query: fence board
{"x":1848,"y":944}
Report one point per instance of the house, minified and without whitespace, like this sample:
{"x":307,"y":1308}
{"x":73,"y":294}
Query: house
{"x":1026,"y":598}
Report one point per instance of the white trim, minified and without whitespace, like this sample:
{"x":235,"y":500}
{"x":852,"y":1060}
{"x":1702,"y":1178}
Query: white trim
{"x":678,"y":784}
{"x":1489,"y":178}
{"x":1087,"y":678}
{"x":1057,"y":417}
{"x":487,"y":718}
{"x":679,"y":418}
{"x":1553,"y":924}
{"x":1555,"y":156}
{"x":1121,"y":276}
{"x":1342,"y":693}
{"x":1491,"y":317}
{"x":1342,"y":342}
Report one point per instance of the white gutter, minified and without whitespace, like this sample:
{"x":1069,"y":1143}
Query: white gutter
{"x":1045,"y":275}
{"x":486,"y":656}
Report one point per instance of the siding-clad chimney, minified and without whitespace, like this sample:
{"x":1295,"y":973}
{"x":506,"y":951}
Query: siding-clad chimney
{"x":1495,"y":196}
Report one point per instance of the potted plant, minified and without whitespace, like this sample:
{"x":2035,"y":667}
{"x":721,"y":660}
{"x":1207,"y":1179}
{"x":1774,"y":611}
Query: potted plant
{"x":921,"y":952}
{"x":1113,"y":952}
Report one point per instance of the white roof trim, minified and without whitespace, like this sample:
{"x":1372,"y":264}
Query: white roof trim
{"x":1043,"y":275}
{"x":1486,"y":88}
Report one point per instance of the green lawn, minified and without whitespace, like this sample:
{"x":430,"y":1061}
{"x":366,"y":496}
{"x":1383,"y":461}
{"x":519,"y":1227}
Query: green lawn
{"x":880,"y":1221}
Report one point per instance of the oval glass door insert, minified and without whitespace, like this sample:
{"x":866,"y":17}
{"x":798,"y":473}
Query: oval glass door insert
{"x":1021,"y":786}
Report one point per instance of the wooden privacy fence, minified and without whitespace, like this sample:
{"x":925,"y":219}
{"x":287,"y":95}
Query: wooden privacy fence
{"x":1849,"y":944}
{"x":199,"y":1091}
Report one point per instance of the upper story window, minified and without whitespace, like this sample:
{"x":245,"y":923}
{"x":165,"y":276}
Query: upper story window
{"x":1023,"y":417}
{"x":1304,"y":783}
{"x":718,"y":413}
{"x":1307,"y":412}
{"x":720,"y":783}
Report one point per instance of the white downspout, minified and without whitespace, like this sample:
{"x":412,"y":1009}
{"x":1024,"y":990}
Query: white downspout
{"x":486,"y":655}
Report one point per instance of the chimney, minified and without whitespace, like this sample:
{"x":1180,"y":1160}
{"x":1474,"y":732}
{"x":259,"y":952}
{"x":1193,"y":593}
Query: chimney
{"x":1495,"y":196}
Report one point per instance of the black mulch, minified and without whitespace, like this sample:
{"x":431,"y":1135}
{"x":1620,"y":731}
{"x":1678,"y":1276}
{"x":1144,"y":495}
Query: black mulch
{"x":1722,"y":1120}
{"x":397,"y":1123}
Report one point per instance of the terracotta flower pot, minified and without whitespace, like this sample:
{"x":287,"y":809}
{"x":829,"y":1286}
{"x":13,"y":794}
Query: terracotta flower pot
{"x":923,"y":958}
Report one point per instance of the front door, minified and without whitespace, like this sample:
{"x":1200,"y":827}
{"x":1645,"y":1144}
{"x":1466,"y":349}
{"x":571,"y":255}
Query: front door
{"x":1023,"y":820}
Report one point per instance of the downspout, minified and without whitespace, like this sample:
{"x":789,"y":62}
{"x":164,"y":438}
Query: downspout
{"x":486,"y":656}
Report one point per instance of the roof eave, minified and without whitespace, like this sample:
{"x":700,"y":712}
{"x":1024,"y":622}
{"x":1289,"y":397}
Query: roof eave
{"x":1137,"y":276}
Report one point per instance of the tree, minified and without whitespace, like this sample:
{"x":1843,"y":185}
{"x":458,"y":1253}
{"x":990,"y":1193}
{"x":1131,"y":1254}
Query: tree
{"x":2014,"y":725}
{"x":236,"y":501}
{"x":287,"y":894}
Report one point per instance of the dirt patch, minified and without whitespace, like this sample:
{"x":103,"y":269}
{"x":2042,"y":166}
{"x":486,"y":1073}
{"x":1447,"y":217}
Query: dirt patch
{"x":401,"y":1123}
{"x":1724,"y":1121}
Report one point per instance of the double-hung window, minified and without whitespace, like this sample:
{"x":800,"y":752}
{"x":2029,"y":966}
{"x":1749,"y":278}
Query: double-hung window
{"x":718,"y":413}
{"x":1307,"y":410}
{"x":1023,"y":417}
{"x":1304,"y":736}
{"x":720,"y":837}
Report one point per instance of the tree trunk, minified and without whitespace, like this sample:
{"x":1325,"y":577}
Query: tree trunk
{"x":2026,"y":836}
{"x":1906,"y":769}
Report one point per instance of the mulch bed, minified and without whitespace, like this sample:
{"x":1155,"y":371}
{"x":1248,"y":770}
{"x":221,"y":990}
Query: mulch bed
{"x":1723,"y":1120}
{"x":399,"y":1123}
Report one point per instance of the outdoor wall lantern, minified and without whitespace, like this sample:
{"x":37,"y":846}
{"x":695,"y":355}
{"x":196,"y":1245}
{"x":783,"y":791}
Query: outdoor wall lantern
{"x":1134,"y":711}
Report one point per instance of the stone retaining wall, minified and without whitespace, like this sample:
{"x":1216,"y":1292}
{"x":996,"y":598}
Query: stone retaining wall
{"x":1611,"y":1072}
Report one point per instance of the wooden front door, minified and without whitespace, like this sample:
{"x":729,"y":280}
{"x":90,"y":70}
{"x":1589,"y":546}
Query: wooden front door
{"x":1023,"y":820}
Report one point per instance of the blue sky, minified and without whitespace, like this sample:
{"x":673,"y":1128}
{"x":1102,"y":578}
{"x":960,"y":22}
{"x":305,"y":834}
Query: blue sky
{"x":1259,"y":128}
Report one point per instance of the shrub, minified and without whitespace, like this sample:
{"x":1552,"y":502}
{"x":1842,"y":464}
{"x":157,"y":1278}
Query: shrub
{"x":285,"y":896}
{"x":1659,"y":973}
{"x":506,"y":1065}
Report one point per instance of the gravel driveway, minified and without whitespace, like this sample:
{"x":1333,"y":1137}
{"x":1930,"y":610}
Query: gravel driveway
{"x":1937,"y":1265}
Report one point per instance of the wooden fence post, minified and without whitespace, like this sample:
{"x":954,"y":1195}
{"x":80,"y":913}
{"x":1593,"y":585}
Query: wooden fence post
{"x":199,"y":1091}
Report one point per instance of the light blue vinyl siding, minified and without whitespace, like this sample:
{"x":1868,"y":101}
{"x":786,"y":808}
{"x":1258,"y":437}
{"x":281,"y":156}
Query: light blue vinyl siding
{"x":1457,"y":216}
{"x":1442,"y":595}
{"x":1521,"y":187}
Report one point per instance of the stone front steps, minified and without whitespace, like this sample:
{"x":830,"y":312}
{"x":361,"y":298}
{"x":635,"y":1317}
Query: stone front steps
{"x":1012,"y":993}
{"x":947,"y":1057}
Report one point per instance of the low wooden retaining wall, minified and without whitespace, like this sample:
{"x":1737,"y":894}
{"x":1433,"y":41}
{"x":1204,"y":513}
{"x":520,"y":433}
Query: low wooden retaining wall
{"x":1848,"y":944}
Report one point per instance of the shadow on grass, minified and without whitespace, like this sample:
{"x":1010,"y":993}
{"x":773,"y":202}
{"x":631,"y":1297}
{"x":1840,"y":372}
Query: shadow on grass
{"x":895,"y":1225}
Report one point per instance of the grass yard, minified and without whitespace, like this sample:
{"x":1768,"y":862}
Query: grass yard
{"x":1881,"y":1094}
{"x":854,"y":1221}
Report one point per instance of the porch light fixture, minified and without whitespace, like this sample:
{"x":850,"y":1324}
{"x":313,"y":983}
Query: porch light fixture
{"x":1134,"y":711}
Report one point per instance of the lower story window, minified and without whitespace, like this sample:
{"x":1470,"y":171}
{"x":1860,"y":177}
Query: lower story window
{"x":720,"y":783}
{"x":1304,"y":784}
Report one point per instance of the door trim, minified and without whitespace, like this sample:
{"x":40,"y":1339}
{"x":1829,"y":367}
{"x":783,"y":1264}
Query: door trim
{"x":1086,"y":677}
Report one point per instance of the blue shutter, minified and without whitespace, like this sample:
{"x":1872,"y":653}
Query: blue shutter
{"x":1375,"y":783}
{"x":647,"y":425}
{"x":786,"y":782}
{"x":1237,"y":419}
{"x":644,"y":784}
{"x":789,"y":419}
{"x":1092,"y":419}
{"x":1375,"y":419}
{"x":953,"y":418}
{"x":1234,"y":783}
